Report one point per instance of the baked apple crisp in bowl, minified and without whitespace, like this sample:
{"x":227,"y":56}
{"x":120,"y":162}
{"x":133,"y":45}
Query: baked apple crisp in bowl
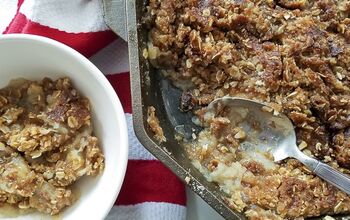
{"x":63,"y":139}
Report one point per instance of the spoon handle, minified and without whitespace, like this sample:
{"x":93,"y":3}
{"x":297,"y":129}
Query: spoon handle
{"x":326,"y":172}
{"x":333,"y":176}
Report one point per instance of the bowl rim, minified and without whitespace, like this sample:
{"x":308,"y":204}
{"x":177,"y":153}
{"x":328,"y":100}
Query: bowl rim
{"x":114,"y":100}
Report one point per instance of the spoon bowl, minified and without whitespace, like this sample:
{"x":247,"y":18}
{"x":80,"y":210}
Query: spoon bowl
{"x":273,"y":132}
{"x":268,"y":130}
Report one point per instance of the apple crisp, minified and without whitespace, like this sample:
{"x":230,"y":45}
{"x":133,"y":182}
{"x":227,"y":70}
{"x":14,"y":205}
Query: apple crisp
{"x":292,"y":55}
{"x":46,"y":144}
{"x":153,"y":123}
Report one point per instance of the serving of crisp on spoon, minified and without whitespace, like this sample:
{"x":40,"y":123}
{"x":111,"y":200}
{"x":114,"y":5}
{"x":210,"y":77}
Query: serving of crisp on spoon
{"x":275,"y":132}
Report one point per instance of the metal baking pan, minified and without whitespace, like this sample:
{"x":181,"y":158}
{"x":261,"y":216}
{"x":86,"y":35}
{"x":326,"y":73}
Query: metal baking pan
{"x":150,"y":89}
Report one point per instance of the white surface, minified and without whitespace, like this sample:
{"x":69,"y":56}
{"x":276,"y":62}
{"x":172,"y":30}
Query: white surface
{"x":197,"y":209}
{"x":148,"y":211}
{"x":72,"y":16}
{"x":35,"y":57}
{"x":112,"y":59}
{"x":8,"y":11}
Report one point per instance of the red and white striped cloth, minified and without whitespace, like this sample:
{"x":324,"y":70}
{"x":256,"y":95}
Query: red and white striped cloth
{"x":150,"y":190}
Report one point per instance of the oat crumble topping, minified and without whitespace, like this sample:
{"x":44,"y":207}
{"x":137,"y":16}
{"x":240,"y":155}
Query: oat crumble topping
{"x":290,"y":54}
{"x":153,"y":123}
{"x":46,"y":144}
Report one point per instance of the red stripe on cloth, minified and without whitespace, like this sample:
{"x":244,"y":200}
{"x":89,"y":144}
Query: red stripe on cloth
{"x":86,"y":43}
{"x":121,"y":84}
{"x":150,"y":181}
{"x":19,"y":4}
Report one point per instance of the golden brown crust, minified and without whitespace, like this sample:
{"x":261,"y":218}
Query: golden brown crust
{"x":292,"y":55}
{"x":46,"y":144}
{"x":153,"y":123}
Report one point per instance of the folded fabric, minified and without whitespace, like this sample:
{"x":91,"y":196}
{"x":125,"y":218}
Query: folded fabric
{"x":150,"y":191}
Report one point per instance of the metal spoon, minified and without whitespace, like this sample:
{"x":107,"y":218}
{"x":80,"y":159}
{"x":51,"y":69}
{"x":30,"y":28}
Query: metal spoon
{"x":270,"y":131}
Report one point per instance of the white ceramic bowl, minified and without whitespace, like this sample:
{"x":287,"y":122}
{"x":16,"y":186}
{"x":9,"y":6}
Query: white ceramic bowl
{"x":34,"y":58}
